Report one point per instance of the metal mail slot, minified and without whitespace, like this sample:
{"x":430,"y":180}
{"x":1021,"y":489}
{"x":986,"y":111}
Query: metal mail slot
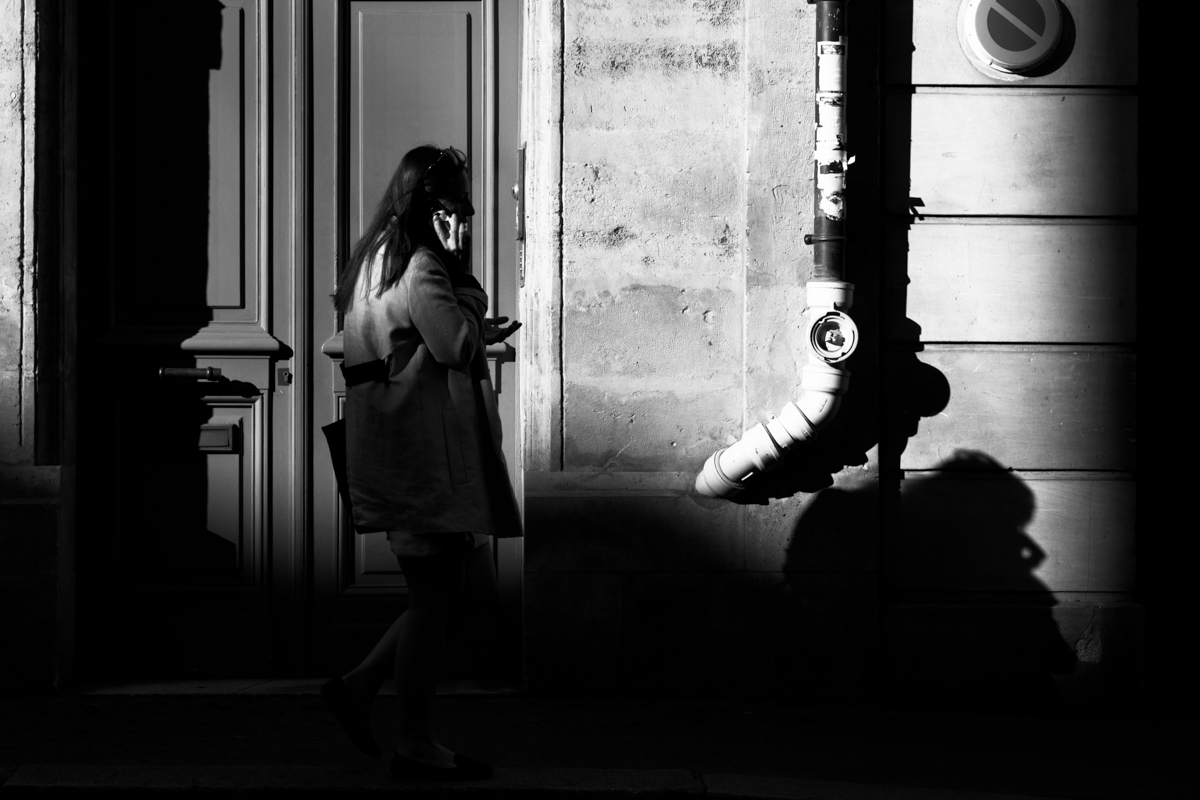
{"x":219,"y":437}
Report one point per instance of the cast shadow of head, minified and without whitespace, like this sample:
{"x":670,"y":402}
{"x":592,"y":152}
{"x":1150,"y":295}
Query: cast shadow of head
{"x":823,"y":614}
{"x":966,"y":622}
{"x":971,"y":628}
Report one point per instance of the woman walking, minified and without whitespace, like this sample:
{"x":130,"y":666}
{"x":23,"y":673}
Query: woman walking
{"x":422,"y":440}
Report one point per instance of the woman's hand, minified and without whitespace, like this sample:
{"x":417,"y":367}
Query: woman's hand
{"x":494,"y":332}
{"x":451,"y":230}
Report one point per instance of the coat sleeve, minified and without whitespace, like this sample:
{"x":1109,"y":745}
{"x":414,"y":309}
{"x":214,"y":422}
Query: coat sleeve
{"x":449,"y":318}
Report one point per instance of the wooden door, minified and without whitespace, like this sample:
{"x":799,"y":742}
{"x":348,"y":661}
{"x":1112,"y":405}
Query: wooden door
{"x":178,"y":563}
{"x":388,"y":76}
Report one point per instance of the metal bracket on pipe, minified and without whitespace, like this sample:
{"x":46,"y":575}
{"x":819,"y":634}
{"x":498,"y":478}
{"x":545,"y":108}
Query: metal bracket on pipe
{"x":813,"y":238}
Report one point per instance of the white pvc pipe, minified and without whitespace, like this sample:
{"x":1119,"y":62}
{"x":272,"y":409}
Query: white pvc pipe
{"x":831,"y":334}
{"x":765,"y":445}
{"x":762,"y":447}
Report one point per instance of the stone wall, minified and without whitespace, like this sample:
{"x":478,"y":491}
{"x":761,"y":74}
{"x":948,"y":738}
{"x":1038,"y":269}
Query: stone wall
{"x":18,"y":65}
{"x":36,"y":582}
{"x":686,"y":191}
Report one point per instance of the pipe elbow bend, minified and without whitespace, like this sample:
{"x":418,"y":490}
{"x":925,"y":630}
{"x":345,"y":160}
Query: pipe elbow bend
{"x":762,"y":447}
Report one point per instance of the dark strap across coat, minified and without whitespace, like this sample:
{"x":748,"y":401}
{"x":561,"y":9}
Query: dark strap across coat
{"x":423,"y":446}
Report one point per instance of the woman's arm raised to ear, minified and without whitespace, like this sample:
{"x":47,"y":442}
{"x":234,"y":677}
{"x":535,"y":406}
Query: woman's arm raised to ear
{"x":448,"y":315}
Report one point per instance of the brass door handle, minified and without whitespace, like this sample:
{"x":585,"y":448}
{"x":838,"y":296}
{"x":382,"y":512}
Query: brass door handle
{"x":191,"y":373}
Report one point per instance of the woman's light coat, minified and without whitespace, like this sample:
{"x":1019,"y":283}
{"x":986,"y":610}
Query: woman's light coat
{"x":423,"y":448}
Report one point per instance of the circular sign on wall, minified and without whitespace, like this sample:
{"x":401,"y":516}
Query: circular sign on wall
{"x":1011,"y":36}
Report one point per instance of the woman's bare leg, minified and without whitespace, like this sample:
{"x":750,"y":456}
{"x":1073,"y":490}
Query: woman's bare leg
{"x":365,"y":679}
{"x":411,"y":649}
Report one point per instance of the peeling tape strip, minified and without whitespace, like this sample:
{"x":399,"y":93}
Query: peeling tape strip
{"x":830,"y":123}
{"x":831,"y":181}
{"x":831,"y":206}
{"x":831,"y":73}
{"x":828,"y":139}
{"x":832,"y":157}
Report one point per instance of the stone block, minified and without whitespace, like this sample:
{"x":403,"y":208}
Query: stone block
{"x":629,"y":533}
{"x":998,"y":530}
{"x":601,"y":59}
{"x":630,"y":222}
{"x":1033,"y":656}
{"x":651,"y":336}
{"x":704,"y":19}
{"x":625,"y":429}
{"x":1109,"y":644}
{"x":573,"y":632}
{"x":809,"y":638}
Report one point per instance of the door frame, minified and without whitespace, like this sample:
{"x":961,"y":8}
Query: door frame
{"x":298,"y":167}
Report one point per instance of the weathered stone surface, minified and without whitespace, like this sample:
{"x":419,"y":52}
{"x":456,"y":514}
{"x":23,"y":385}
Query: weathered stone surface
{"x":1032,"y":656}
{"x":648,"y":335}
{"x":18,"y":74}
{"x":833,"y":530}
{"x":652,"y":232}
{"x":779,"y":140}
{"x":649,"y":429}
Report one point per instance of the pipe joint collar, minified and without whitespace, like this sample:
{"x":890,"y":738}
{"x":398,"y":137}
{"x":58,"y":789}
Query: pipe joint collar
{"x":825,"y":379}
{"x":829,"y":294}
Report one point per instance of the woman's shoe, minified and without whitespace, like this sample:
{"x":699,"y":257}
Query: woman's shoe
{"x":464,"y":769}
{"x":353,"y":722}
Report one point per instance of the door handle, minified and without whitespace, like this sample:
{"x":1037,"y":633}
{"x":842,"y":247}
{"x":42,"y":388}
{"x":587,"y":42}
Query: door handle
{"x":518,"y":194}
{"x":191,"y":373}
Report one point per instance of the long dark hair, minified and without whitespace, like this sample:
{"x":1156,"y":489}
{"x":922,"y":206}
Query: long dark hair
{"x":402,"y":220}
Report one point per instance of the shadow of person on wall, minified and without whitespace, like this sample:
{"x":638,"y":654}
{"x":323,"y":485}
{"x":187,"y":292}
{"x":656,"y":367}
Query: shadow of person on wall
{"x":970,"y":626}
{"x":967,"y":623}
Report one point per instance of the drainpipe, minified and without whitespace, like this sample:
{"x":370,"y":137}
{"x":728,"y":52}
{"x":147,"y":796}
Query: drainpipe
{"x":831,"y":333}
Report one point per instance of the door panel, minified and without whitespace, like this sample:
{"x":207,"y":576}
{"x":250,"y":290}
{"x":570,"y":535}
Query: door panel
{"x":415,"y":72}
{"x":230,"y":184}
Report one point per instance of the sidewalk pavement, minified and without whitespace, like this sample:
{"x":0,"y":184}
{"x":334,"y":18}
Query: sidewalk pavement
{"x":276,"y":738}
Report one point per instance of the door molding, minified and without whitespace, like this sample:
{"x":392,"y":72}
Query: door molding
{"x":540,"y":298}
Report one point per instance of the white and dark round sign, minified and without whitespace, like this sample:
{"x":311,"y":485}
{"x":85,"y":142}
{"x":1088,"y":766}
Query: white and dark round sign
{"x":1012,"y":36}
